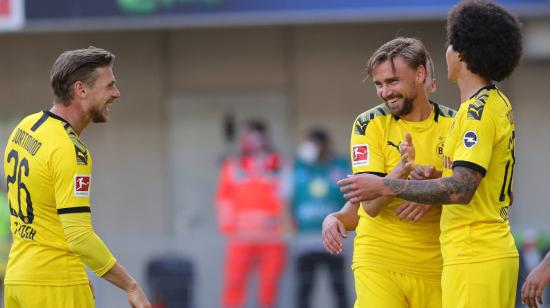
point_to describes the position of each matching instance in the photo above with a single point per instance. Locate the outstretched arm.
(536, 281)
(84, 242)
(459, 188)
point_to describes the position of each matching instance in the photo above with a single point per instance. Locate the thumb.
(408, 138)
(342, 230)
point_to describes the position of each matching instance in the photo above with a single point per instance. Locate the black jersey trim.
(55, 116)
(502, 98)
(470, 165)
(380, 174)
(487, 87)
(40, 121)
(436, 111)
(71, 210)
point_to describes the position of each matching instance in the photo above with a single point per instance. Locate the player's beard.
(404, 110)
(98, 114)
(407, 107)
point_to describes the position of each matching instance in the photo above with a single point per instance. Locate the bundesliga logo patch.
(360, 155)
(82, 185)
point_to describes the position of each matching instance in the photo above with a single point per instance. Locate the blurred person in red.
(251, 214)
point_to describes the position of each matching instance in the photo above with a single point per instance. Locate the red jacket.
(248, 200)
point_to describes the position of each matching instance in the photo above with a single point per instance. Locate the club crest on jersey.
(470, 139)
(360, 155)
(82, 185)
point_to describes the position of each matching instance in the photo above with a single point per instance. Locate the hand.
(425, 173)
(137, 299)
(362, 187)
(412, 211)
(408, 153)
(536, 281)
(333, 232)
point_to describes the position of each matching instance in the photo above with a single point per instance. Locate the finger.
(334, 239)
(419, 215)
(408, 138)
(538, 295)
(346, 181)
(532, 295)
(342, 230)
(416, 176)
(402, 207)
(525, 290)
(330, 245)
(415, 212)
(405, 213)
(328, 239)
(428, 172)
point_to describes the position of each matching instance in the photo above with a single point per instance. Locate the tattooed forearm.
(459, 188)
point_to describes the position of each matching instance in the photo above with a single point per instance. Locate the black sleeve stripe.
(40, 122)
(71, 210)
(470, 165)
(380, 174)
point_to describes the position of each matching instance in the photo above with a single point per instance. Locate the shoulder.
(363, 119)
(487, 100)
(444, 111)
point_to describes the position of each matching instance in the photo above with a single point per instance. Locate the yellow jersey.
(385, 241)
(48, 171)
(481, 138)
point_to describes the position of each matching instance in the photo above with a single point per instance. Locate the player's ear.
(79, 88)
(421, 74)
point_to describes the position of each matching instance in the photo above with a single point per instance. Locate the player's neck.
(73, 115)
(421, 110)
(469, 83)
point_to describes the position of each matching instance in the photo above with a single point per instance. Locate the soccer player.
(536, 281)
(336, 224)
(49, 173)
(385, 274)
(480, 257)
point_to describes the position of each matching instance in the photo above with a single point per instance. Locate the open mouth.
(393, 100)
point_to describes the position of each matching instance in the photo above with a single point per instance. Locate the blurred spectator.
(315, 195)
(251, 214)
(5, 236)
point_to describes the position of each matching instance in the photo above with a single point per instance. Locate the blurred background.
(190, 70)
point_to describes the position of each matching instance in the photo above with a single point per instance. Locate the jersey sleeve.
(71, 178)
(365, 148)
(476, 138)
(84, 242)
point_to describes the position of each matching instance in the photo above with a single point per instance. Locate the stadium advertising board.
(167, 13)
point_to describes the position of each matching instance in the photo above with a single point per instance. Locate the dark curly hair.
(487, 37)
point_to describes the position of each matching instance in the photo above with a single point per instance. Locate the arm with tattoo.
(459, 188)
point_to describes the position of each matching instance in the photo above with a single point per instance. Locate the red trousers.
(241, 259)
